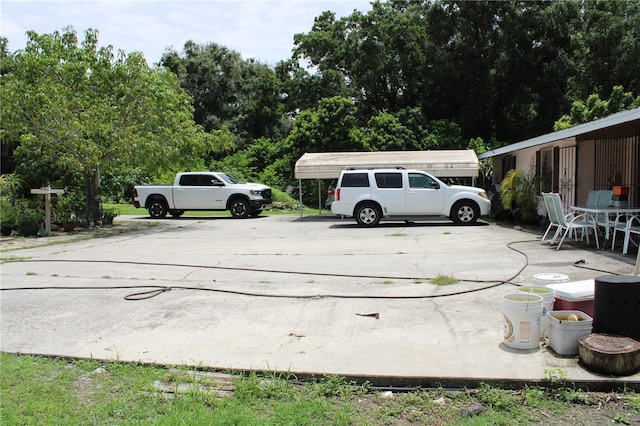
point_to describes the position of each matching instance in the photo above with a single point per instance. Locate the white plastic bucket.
(564, 333)
(547, 295)
(521, 320)
(549, 278)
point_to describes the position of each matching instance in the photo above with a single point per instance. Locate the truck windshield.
(228, 178)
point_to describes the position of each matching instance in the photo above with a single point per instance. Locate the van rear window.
(389, 180)
(355, 180)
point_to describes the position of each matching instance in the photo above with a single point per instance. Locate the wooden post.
(47, 191)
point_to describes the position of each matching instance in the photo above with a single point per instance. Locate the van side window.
(389, 180)
(355, 180)
(418, 180)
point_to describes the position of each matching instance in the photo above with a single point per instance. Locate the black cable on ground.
(578, 264)
(157, 290)
(237, 268)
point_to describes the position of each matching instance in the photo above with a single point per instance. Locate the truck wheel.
(367, 214)
(158, 208)
(239, 208)
(465, 212)
(176, 213)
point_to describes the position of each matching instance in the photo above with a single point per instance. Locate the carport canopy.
(442, 163)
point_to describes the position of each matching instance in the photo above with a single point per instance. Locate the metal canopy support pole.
(300, 195)
(319, 198)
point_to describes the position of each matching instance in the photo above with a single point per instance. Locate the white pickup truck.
(203, 191)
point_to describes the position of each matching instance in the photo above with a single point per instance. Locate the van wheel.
(367, 214)
(465, 212)
(158, 208)
(239, 208)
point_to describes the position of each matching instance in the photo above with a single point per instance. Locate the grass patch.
(9, 259)
(278, 209)
(41, 390)
(442, 279)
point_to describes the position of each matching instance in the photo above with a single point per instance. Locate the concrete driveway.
(312, 295)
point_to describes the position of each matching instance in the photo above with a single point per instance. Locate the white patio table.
(610, 214)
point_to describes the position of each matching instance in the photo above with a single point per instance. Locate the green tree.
(491, 67)
(385, 133)
(594, 108)
(77, 109)
(303, 90)
(331, 126)
(606, 48)
(228, 91)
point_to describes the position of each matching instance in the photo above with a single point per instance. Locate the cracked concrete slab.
(294, 295)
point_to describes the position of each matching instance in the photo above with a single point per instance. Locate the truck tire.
(176, 213)
(465, 212)
(255, 213)
(367, 214)
(239, 208)
(158, 208)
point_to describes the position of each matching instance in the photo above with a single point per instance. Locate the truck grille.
(266, 194)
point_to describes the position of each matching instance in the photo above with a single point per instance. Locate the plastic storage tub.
(564, 333)
(574, 296)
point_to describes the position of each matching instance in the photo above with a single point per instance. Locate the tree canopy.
(78, 109)
(446, 74)
(503, 70)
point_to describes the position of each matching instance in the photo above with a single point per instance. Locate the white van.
(399, 194)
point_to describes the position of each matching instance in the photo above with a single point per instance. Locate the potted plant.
(64, 209)
(519, 194)
(108, 215)
(28, 219)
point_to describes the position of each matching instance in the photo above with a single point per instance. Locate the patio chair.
(571, 223)
(629, 227)
(552, 214)
(592, 199)
(555, 216)
(603, 200)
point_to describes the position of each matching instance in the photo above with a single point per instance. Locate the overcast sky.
(260, 29)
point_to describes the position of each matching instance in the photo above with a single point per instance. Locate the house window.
(546, 169)
(508, 163)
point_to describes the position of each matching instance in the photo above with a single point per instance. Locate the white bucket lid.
(550, 278)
